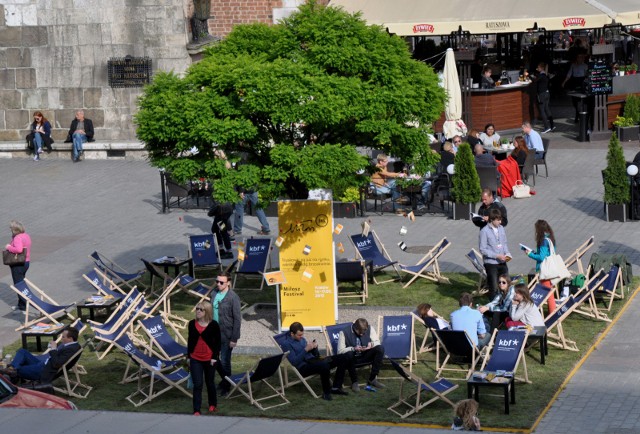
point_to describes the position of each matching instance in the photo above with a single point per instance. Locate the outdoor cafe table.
(108, 304)
(40, 331)
(501, 152)
(506, 383)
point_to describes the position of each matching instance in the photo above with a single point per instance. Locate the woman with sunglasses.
(203, 345)
(498, 309)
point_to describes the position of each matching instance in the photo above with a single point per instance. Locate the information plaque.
(129, 71)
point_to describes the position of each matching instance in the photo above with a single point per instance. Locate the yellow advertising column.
(308, 263)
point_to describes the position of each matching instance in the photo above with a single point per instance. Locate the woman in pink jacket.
(20, 240)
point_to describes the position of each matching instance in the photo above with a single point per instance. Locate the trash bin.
(583, 126)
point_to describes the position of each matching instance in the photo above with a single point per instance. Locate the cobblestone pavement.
(114, 207)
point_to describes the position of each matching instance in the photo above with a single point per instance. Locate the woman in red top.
(20, 240)
(203, 345)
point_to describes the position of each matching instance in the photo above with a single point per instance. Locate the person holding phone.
(360, 342)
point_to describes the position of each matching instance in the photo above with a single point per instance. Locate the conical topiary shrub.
(616, 182)
(466, 182)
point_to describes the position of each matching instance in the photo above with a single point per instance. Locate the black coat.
(88, 129)
(57, 358)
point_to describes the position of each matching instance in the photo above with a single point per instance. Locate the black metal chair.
(489, 178)
(528, 168)
(543, 161)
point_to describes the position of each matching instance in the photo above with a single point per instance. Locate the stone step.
(98, 150)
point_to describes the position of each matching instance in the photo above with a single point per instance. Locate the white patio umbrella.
(453, 124)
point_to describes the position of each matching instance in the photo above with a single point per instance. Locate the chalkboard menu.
(129, 71)
(599, 79)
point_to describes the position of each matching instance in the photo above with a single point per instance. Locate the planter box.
(616, 212)
(628, 134)
(344, 209)
(462, 211)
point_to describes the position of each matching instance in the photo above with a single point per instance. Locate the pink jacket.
(19, 242)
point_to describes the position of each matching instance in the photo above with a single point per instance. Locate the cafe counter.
(506, 106)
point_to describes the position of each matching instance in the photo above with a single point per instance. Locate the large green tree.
(294, 100)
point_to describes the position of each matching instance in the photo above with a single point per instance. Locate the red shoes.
(213, 409)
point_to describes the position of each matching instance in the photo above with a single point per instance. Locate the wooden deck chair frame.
(430, 268)
(353, 271)
(42, 315)
(131, 301)
(285, 372)
(213, 244)
(128, 344)
(73, 385)
(413, 402)
(475, 353)
(162, 305)
(246, 251)
(554, 321)
(330, 340)
(155, 271)
(424, 348)
(576, 256)
(170, 380)
(492, 344)
(586, 297)
(475, 258)
(115, 271)
(411, 357)
(247, 379)
(103, 284)
(155, 348)
(611, 292)
(80, 326)
(125, 326)
(383, 251)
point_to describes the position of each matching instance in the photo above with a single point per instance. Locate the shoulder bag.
(10, 259)
(553, 268)
(521, 190)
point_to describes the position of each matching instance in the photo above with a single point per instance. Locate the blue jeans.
(201, 373)
(224, 364)
(426, 188)
(78, 141)
(390, 187)
(17, 274)
(38, 142)
(239, 213)
(28, 365)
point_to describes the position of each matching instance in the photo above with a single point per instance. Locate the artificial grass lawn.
(531, 399)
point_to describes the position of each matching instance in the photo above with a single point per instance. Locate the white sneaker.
(36, 158)
(546, 131)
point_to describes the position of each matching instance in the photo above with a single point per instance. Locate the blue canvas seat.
(368, 250)
(162, 344)
(244, 384)
(116, 272)
(506, 349)
(414, 401)
(397, 337)
(428, 267)
(257, 258)
(612, 287)
(40, 304)
(476, 260)
(103, 284)
(203, 251)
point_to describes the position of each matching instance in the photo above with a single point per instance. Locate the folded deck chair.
(586, 299)
(116, 272)
(428, 267)
(244, 384)
(476, 260)
(162, 344)
(576, 257)
(367, 249)
(459, 349)
(255, 259)
(103, 284)
(506, 349)
(414, 402)
(203, 251)
(397, 338)
(278, 340)
(356, 272)
(611, 288)
(40, 304)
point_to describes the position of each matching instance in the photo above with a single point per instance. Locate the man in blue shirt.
(470, 320)
(533, 139)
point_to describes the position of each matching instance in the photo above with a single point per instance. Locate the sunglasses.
(503, 282)
(220, 282)
(199, 309)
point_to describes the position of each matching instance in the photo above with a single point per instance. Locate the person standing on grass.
(495, 250)
(226, 312)
(203, 346)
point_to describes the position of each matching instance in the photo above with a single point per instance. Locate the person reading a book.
(489, 202)
(523, 310)
(544, 237)
(497, 310)
(495, 250)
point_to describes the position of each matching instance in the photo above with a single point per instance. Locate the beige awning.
(430, 18)
(625, 12)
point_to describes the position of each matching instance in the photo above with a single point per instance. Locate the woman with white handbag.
(544, 240)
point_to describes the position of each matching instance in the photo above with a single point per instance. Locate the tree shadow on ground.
(590, 206)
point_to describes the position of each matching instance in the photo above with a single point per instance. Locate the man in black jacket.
(361, 342)
(30, 367)
(80, 132)
(489, 203)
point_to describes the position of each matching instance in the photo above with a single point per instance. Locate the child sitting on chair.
(466, 416)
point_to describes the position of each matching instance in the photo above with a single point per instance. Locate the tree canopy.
(293, 100)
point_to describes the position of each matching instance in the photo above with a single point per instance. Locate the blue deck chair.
(413, 402)
(428, 267)
(332, 335)
(367, 249)
(125, 325)
(539, 295)
(459, 349)
(203, 251)
(244, 384)
(125, 344)
(476, 260)
(160, 379)
(354, 272)
(442, 324)
(120, 313)
(398, 338)
(116, 272)
(256, 259)
(554, 321)
(506, 348)
(278, 340)
(40, 304)
(576, 256)
(155, 272)
(611, 288)
(586, 297)
(162, 344)
(103, 284)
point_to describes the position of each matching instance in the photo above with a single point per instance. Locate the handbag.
(521, 190)
(553, 268)
(9, 258)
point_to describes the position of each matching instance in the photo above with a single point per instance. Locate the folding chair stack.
(367, 250)
(398, 338)
(278, 340)
(428, 267)
(458, 349)
(253, 259)
(413, 402)
(116, 272)
(38, 302)
(476, 260)
(244, 384)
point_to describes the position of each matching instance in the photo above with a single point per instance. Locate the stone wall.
(54, 53)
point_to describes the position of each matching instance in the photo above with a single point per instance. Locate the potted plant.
(466, 189)
(616, 182)
(348, 203)
(633, 68)
(626, 126)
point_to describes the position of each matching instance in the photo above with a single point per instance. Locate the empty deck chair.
(428, 267)
(586, 299)
(255, 259)
(611, 288)
(367, 249)
(39, 304)
(576, 257)
(413, 402)
(458, 349)
(554, 321)
(278, 340)
(476, 260)
(506, 349)
(244, 384)
(103, 284)
(203, 251)
(356, 272)
(161, 343)
(116, 272)
(397, 337)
